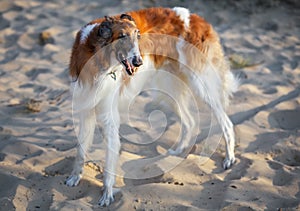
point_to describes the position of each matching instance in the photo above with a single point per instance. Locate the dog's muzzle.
(130, 67)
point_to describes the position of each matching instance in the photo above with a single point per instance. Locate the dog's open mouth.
(127, 65)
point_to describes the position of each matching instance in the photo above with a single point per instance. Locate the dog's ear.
(126, 16)
(109, 19)
(105, 30)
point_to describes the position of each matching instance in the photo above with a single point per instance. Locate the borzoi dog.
(108, 55)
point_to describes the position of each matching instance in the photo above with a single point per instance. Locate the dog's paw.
(107, 198)
(73, 180)
(228, 162)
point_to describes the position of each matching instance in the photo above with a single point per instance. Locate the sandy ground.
(37, 137)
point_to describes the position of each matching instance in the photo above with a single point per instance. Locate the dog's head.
(123, 36)
(102, 43)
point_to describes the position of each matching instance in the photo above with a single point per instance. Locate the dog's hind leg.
(210, 88)
(227, 128)
(87, 123)
(188, 126)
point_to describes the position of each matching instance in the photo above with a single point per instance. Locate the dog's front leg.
(111, 124)
(87, 123)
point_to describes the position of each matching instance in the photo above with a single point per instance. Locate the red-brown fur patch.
(162, 21)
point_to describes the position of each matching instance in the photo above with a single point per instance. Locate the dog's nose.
(137, 61)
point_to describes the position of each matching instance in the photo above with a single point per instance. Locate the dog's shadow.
(155, 162)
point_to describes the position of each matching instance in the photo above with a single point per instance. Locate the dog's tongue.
(128, 67)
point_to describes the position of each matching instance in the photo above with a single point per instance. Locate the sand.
(37, 137)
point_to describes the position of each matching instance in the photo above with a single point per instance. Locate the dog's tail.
(231, 85)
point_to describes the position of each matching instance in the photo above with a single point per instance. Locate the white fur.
(184, 15)
(179, 47)
(231, 86)
(85, 32)
(103, 101)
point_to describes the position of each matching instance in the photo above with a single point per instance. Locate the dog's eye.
(138, 35)
(122, 35)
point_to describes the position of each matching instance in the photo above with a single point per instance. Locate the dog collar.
(113, 74)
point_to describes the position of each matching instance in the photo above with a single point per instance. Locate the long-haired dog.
(113, 57)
